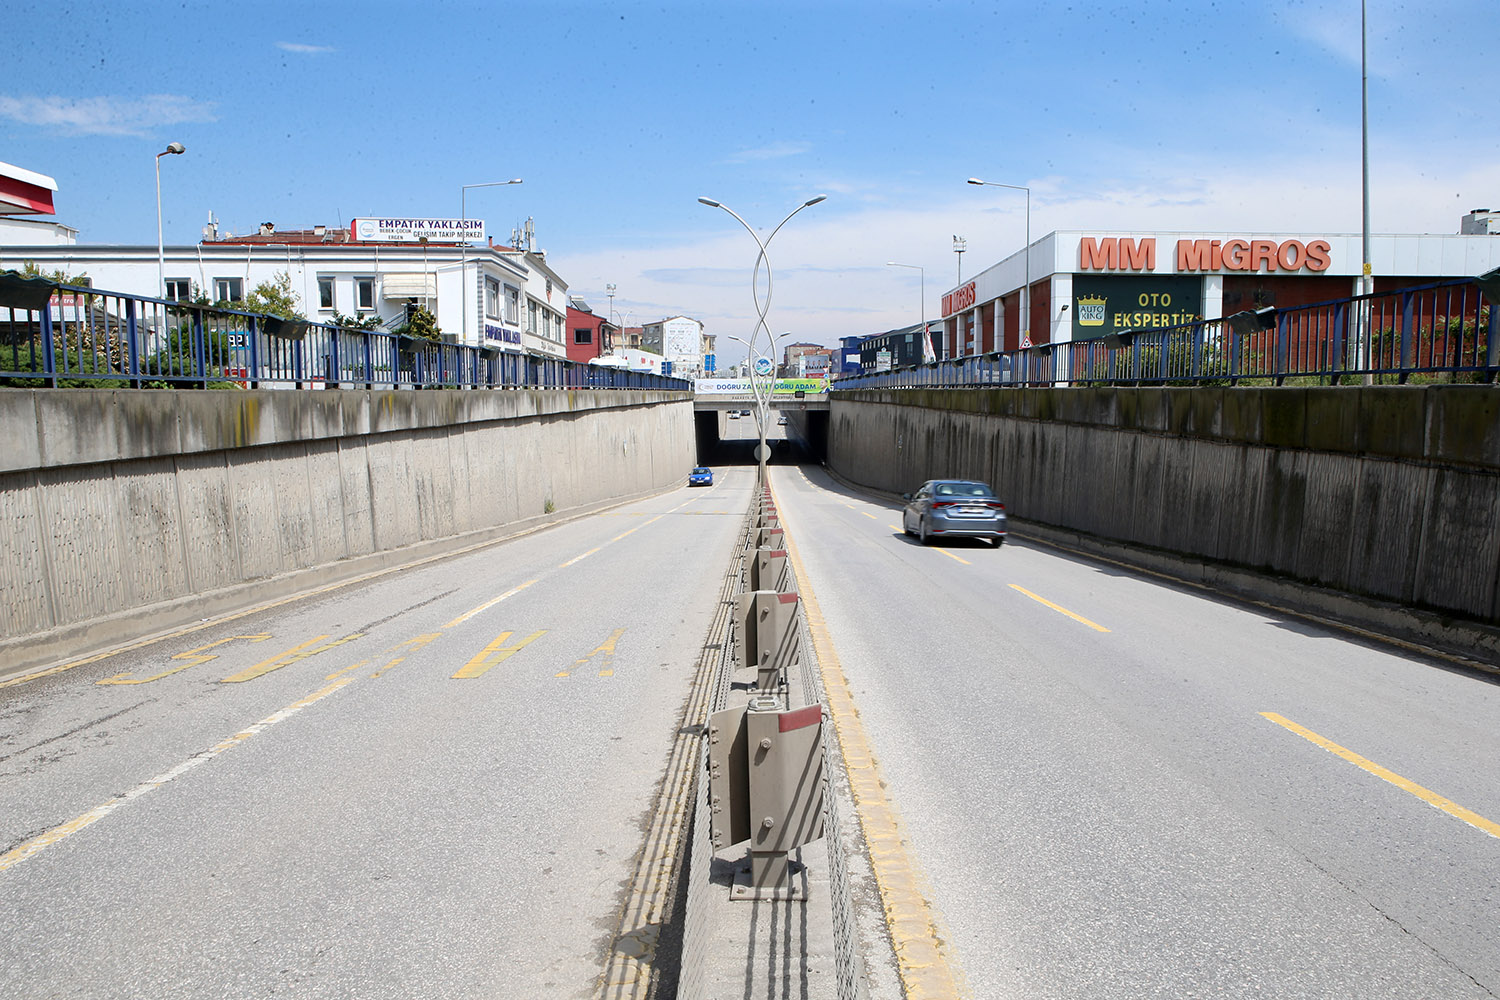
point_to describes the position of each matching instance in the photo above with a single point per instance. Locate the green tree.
(422, 325)
(274, 298)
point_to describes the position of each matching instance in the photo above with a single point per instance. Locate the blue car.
(701, 477)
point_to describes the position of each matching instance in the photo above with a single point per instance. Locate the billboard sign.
(416, 230)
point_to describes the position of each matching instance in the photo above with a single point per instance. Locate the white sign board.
(415, 230)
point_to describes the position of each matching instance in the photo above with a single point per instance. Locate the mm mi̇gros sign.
(416, 230)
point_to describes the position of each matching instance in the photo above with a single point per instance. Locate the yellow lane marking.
(496, 652)
(607, 648)
(924, 958)
(950, 555)
(512, 592)
(580, 558)
(638, 527)
(1432, 798)
(1058, 608)
(40, 843)
(869, 515)
(290, 656)
(192, 656)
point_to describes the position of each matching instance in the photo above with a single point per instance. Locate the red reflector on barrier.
(800, 719)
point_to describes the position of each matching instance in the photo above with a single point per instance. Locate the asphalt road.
(432, 784)
(1113, 787)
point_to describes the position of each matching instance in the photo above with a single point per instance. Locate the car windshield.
(699, 472)
(962, 490)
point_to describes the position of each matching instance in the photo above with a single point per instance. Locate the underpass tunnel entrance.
(729, 437)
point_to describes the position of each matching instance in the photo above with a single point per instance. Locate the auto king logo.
(1090, 310)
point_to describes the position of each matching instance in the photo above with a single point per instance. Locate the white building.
(502, 297)
(681, 341)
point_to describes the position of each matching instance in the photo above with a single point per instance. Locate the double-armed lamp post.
(762, 307)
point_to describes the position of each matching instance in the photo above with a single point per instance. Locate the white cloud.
(830, 275)
(106, 115)
(775, 151)
(304, 49)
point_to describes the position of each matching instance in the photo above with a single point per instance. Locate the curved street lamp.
(762, 308)
(1025, 298)
(175, 149)
(463, 253)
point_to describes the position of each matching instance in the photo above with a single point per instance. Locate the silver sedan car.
(948, 508)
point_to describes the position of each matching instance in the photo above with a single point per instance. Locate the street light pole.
(174, 148)
(761, 308)
(1367, 277)
(463, 253)
(1026, 285)
(927, 352)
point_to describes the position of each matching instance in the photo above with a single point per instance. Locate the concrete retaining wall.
(131, 511)
(1387, 493)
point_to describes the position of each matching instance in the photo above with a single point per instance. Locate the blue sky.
(1190, 115)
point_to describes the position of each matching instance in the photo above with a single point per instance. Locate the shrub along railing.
(72, 336)
(1446, 330)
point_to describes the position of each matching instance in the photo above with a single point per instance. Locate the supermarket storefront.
(1090, 284)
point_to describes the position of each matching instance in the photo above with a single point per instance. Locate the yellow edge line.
(925, 964)
(40, 843)
(1406, 785)
(950, 555)
(1058, 608)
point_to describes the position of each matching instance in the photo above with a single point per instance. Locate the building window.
(364, 294)
(325, 292)
(531, 317)
(512, 304)
(179, 289)
(583, 335)
(491, 298)
(228, 290)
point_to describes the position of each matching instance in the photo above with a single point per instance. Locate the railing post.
(132, 343)
(49, 349)
(369, 346)
(252, 346)
(1405, 338)
(200, 349)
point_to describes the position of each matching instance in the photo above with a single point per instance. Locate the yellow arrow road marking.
(290, 656)
(495, 653)
(193, 656)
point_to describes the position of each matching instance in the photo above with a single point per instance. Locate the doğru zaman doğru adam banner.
(741, 386)
(1105, 304)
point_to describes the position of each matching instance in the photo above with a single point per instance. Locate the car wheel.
(998, 542)
(922, 532)
(904, 529)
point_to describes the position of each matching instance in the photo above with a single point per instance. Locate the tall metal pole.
(161, 253)
(1367, 277)
(761, 308)
(927, 352)
(463, 253)
(1025, 285)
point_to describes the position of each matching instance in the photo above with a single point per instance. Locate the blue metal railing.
(1446, 328)
(88, 337)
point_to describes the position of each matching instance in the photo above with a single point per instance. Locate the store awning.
(25, 192)
(409, 286)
